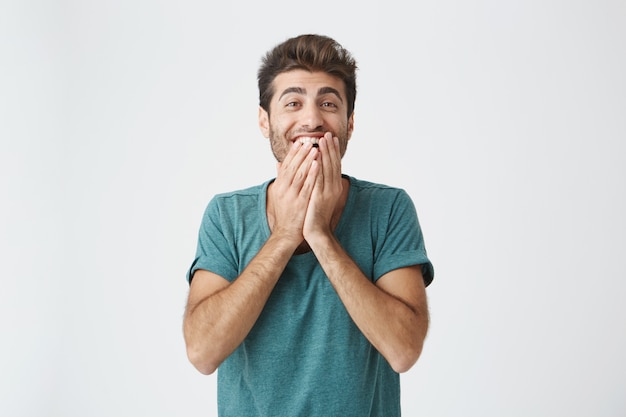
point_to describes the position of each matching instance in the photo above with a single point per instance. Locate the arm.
(393, 313)
(219, 315)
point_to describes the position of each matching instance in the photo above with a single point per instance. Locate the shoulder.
(380, 193)
(253, 191)
(232, 197)
(369, 186)
(245, 199)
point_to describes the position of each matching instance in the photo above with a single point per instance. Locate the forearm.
(396, 328)
(215, 325)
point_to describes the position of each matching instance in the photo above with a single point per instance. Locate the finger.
(293, 150)
(330, 158)
(335, 158)
(336, 155)
(294, 158)
(311, 179)
(302, 172)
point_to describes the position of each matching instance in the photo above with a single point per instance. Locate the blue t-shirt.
(305, 356)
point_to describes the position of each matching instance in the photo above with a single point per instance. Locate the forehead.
(311, 82)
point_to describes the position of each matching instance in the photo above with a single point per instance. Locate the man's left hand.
(327, 190)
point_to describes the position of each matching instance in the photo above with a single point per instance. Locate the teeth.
(304, 140)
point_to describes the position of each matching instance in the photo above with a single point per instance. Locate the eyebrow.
(302, 91)
(329, 90)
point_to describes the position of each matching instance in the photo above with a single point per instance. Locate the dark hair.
(311, 53)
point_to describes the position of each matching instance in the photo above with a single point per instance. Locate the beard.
(280, 143)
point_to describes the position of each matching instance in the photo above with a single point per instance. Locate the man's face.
(306, 105)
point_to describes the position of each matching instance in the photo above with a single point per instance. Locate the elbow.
(200, 353)
(207, 370)
(201, 361)
(401, 368)
(404, 361)
(409, 350)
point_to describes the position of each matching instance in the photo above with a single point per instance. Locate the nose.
(312, 118)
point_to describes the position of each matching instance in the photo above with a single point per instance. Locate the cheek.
(343, 146)
(275, 123)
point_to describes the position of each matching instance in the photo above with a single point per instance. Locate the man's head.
(307, 86)
(312, 53)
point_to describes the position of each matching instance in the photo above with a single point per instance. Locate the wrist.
(288, 241)
(320, 239)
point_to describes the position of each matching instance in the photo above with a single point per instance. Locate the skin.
(304, 205)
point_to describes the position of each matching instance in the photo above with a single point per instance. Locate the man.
(308, 291)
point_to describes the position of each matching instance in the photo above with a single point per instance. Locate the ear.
(350, 125)
(264, 122)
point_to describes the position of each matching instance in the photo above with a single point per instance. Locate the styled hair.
(310, 53)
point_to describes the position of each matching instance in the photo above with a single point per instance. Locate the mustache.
(305, 131)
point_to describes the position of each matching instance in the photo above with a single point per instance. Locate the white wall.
(505, 120)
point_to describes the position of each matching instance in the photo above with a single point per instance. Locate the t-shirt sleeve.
(402, 243)
(215, 250)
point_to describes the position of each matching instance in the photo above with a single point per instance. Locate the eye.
(292, 104)
(329, 104)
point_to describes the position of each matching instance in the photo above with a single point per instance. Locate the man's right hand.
(289, 194)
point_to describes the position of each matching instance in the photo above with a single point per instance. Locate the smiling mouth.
(312, 140)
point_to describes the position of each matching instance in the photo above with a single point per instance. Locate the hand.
(326, 192)
(290, 193)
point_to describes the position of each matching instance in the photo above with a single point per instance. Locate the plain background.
(504, 120)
